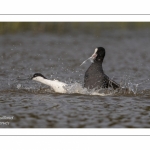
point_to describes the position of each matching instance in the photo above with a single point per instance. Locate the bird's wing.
(113, 84)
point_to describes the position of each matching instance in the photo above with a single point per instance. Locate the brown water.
(59, 57)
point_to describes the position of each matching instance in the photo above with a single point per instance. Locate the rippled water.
(59, 57)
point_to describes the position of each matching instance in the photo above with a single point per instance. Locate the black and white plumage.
(56, 85)
(95, 77)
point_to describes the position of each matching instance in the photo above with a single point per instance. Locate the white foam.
(77, 88)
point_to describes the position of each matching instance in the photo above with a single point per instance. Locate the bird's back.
(96, 79)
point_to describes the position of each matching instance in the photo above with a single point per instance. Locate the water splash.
(90, 58)
(77, 88)
(128, 87)
(18, 86)
(133, 87)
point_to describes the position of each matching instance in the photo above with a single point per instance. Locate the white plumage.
(56, 85)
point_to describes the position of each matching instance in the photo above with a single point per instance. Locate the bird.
(94, 77)
(56, 85)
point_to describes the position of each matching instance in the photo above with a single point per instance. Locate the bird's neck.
(42, 80)
(98, 65)
(99, 60)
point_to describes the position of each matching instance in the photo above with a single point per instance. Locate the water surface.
(34, 105)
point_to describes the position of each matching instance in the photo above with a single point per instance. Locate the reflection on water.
(59, 57)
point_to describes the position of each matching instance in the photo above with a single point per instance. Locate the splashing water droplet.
(18, 86)
(133, 87)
